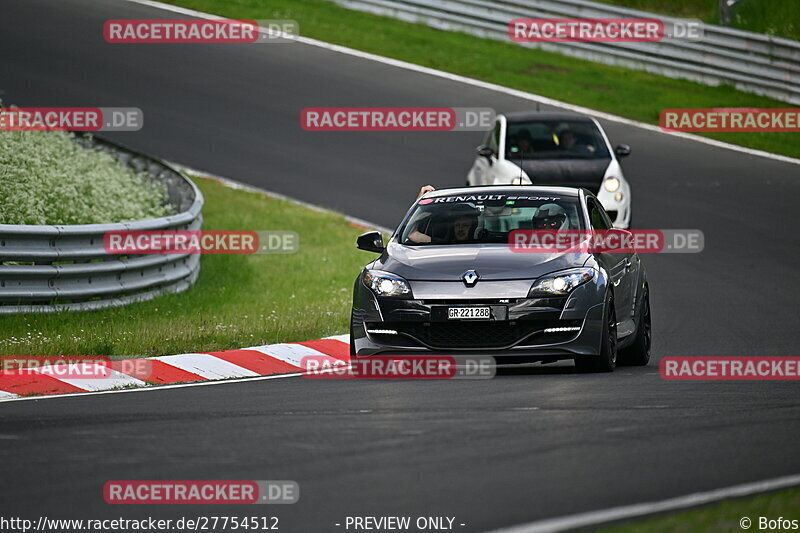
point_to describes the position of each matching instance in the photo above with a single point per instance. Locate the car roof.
(534, 116)
(505, 189)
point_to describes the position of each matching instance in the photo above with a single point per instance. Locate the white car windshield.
(554, 139)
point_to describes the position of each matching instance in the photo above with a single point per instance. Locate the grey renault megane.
(449, 283)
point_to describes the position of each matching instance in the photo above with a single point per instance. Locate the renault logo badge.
(470, 278)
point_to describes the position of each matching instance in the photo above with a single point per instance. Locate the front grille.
(473, 301)
(473, 334)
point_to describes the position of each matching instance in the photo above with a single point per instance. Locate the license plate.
(469, 313)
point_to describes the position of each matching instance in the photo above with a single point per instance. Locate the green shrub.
(49, 178)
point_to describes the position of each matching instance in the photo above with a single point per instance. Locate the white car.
(564, 149)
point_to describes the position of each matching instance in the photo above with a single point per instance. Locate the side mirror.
(624, 241)
(622, 150)
(619, 232)
(485, 151)
(372, 241)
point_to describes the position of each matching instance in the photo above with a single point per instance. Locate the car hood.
(490, 261)
(586, 173)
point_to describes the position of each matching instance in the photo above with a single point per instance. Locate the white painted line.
(207, 366)
(614, 514)
(210, 366)
(294, 354)
(147, 389)
(113, 381)
(485, 85)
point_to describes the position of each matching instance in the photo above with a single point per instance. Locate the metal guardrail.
(53, 268)
(752, 62)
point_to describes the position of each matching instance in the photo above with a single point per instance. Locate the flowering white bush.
(49, 178)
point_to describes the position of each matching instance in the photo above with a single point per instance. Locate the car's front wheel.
(352, 343)
(606, 361)
(638, 353)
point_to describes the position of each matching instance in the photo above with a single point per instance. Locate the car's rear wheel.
(638, 353)
(606, 361)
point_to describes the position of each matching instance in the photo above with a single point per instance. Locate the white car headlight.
(386, 283)
(611, 184)
(560, 283)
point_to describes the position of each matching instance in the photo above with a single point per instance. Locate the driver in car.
(550, 217)
(464, 223)
(571, 142)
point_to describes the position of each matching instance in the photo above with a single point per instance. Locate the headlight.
(386, 283)
(611, 184)
(560, 283)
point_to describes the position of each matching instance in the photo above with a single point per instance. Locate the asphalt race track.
(521, 447)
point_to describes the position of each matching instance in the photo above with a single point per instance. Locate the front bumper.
(518, 326)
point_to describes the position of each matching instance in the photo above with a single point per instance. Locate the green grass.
(775, 17)
(705, 10)
(48, 178)
(720, 517)
(238, 300)
(629, 93)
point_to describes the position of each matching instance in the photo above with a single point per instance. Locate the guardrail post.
(725, 11)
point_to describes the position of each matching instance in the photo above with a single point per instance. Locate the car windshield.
(554, 139)
(487, 218)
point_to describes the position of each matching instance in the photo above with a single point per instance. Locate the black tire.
(469, 184)
(606, 361)
(352, 346)
(638, 353)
